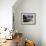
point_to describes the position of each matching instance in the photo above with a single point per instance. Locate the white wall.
(43, 22)
(36, 32)
(6, 13)
(30, 31)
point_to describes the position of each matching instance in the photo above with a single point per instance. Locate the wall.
(43, 22)
(32, 32)
(6, 13)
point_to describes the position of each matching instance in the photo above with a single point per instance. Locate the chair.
(29, 43)
(18, 39)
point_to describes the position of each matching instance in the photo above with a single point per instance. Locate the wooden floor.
(9, 43)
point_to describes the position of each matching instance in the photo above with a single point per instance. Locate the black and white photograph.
(28, 18)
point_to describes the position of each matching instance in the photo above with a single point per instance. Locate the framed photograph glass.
(28, 18)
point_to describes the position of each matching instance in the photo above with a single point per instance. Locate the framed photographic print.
(28, 18)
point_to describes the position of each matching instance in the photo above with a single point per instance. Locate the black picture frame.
(28, 18)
